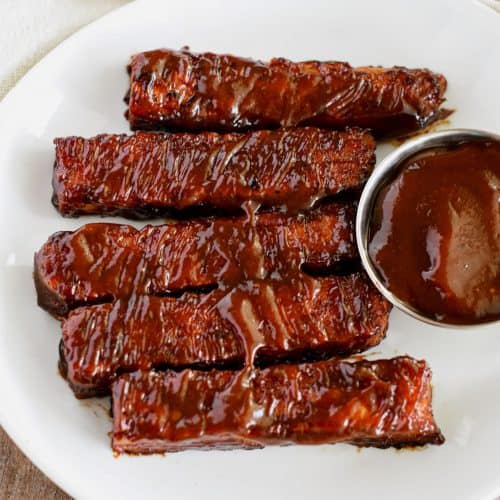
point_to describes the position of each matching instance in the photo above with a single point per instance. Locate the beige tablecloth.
(31, 28)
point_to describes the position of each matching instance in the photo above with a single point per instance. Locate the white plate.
(78, 89)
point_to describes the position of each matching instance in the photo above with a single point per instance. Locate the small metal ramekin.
(383, 174)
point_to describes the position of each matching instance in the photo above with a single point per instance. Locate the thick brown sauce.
(187, 91)
(381, 403)
(99, 262)
(262, 322)
(149, 174)
(435, 234)
(272, 310)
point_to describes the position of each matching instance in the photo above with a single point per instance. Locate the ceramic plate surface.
(77, 90)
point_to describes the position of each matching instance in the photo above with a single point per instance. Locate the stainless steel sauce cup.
(383, 174)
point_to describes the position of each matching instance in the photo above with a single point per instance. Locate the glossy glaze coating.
(369, 403)
(179, 90)
(265, 322)
(99, 262)
(150, 174)
(435, 235)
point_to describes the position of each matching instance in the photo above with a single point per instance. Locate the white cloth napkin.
(31, 28)
(494, 4)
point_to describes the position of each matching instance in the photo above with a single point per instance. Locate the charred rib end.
(47, 298)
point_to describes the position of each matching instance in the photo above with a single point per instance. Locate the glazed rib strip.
(184, 91)
(369, 403)
(265, 321)
(100, 262)
(148, 174)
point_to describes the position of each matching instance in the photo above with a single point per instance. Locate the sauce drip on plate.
(435, 233)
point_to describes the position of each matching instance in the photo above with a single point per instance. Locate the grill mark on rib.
(228, 93)
(253, 323)
(154, 174)
(368, 403)
(118, 260)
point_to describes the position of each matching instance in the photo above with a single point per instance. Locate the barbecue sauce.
(435, 233)
(185, 91)
(380, 403)
(184, 175)
(101, 262)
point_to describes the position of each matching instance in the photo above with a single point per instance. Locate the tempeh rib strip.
(148, 174)
(179, 90)
(100, 262)
(302, 320)
(368, 403)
